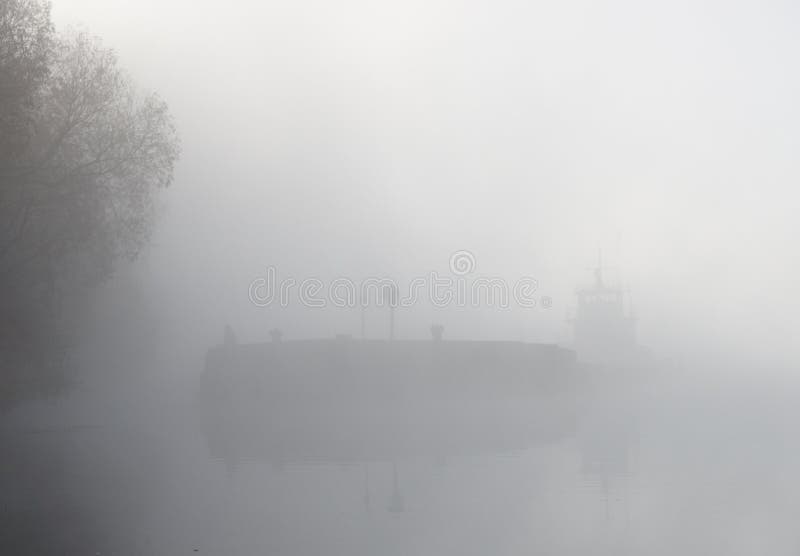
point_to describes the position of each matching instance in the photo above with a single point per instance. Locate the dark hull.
(347, 400)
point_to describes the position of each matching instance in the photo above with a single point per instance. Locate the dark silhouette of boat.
(346, 399)
(349, 399)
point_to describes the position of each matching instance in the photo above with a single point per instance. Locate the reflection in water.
(396, 504)
(663, 470)
(367, 496)
(651, 471)
(507, 476)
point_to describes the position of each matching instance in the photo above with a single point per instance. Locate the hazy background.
(371, 138)
(376, 138)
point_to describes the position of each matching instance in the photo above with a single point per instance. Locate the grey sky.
(359, 137)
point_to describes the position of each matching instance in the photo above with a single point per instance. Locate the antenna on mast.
(598, 272)
(631, 309)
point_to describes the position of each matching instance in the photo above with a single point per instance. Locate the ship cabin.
(604, 331)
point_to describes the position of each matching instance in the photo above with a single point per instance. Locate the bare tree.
(83, 156)
(26, 41)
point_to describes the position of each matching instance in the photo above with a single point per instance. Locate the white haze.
(368, 138)
(376, 138)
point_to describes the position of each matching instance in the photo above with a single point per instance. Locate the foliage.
(82, 154)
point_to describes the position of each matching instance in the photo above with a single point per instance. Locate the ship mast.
(598, 271)
(604, 332)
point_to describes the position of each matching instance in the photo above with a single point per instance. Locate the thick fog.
(355, 140)
(360, 138)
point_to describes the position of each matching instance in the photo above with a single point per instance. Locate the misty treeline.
(82, 155)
